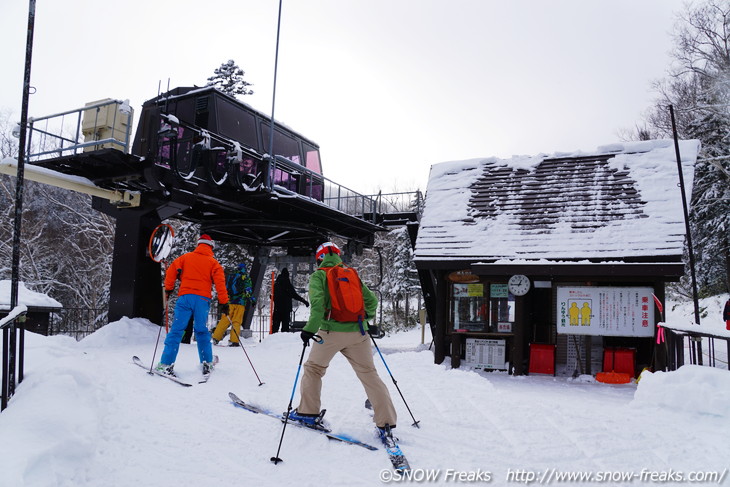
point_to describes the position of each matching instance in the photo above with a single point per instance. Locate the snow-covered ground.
(86, 416)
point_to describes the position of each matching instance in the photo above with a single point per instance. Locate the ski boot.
(208, 367)
(386, 435)
(165, 369)
(313, 421)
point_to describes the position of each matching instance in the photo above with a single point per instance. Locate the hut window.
(470, 307)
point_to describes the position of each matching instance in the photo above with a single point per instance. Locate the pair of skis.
(392, 448)
(173, 378)
(395, 454)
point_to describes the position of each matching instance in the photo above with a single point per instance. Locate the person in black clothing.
(284, 292)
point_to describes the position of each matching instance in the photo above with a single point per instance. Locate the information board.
(485, 354)
(606, 311)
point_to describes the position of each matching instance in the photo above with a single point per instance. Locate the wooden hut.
(40, 306)
(550, 264)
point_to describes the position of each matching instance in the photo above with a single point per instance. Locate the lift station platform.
(202, 156)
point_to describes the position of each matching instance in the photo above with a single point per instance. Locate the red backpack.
(345, 291)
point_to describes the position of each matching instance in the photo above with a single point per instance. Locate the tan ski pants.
(358, 351)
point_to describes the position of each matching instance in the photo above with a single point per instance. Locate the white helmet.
(326, 248)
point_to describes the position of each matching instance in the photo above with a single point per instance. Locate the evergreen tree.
(710, 219)
(228, 78)
(698, 87)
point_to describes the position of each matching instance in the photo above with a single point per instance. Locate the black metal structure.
(14, 336)
(199, 155)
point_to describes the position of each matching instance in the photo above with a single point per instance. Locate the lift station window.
(237, 124)
(284, 145)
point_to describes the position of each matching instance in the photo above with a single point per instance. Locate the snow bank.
(692, 388)
(86, 416)
(126, 331)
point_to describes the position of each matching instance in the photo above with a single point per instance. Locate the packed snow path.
(85, 415)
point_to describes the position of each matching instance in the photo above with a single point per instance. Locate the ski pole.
(159, 332)
(276, 458)
(159, 248)
(415, 423)
(233, 329)
(157, 344)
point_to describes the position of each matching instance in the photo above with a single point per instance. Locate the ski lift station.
(202, 156)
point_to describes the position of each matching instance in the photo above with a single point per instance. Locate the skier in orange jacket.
(198, 271)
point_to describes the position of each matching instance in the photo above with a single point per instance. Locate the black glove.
(306, 336)
(374, 331)
(222, 309)
(306, 303)
(167, 295)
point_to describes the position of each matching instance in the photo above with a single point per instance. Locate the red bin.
(619, 360)
(542, 359)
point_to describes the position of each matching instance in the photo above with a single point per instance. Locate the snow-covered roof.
(26, 297)
(621, 201)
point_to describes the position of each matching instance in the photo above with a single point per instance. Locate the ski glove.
(222, 309)
(374, 331)
(306, 336)
(167, 295)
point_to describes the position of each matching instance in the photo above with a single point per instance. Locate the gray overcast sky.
(385, 87)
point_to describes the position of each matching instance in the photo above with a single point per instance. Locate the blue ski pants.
(189, 305)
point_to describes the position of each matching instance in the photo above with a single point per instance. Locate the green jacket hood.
(330, 260)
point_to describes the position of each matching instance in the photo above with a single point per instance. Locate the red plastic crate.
(619, 360)
(542, 359)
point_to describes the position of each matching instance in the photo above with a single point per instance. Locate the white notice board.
(485, 354)
(606, 311)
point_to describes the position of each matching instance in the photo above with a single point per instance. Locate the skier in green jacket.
(348, 338)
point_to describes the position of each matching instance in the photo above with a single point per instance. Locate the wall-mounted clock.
(519, 284)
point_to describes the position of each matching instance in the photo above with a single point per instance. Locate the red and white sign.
(606, 311)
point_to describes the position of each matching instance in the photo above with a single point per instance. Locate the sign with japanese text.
(468, 290)
(485, 354)
(606, 311)
(498, 291)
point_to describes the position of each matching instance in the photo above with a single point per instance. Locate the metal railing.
(108, 123)
(13, 355)
(227, 157)
(408, 201)
(76, 322)
(95, 126)
(676, 348)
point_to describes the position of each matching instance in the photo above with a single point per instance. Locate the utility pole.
(10, 341)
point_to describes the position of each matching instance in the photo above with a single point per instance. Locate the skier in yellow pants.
(240, 293)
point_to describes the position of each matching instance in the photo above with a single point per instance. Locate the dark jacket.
(284, 292)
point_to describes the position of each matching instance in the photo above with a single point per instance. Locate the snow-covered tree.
(698, 87)
(66, 246)
(228, 78)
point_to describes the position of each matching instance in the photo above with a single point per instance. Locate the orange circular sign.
(465, 277)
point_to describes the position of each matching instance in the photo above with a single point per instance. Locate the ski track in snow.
(85, 415)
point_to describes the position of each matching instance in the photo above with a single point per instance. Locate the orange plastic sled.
(613, 377)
